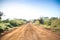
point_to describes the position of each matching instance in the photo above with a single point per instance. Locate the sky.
(29, 9)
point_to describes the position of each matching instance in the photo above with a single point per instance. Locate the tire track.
(45, 34)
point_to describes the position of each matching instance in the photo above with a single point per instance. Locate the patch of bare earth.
(30, 32)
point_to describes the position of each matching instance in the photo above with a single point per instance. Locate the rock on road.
(30, 32)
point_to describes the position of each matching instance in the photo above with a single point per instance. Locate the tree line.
(52, 23)
(9, 24)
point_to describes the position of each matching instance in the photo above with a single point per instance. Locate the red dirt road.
(30, 32)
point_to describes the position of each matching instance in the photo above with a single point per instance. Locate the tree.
(41, 21)
(53, 18)
(1, 13)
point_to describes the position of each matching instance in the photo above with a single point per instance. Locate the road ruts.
(30, 32)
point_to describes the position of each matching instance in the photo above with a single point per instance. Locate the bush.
(56, 24)
(41, 21)
(17, 22)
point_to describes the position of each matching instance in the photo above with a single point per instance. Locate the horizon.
(30, 9)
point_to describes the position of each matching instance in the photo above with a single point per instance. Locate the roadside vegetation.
(52, 23)
(6, 25)
(9, 24)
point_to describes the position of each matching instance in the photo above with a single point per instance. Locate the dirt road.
(30, 32)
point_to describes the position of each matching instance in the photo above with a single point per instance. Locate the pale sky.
(29, 9)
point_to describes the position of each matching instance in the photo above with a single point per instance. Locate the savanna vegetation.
(52, 23)
(6, 25)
